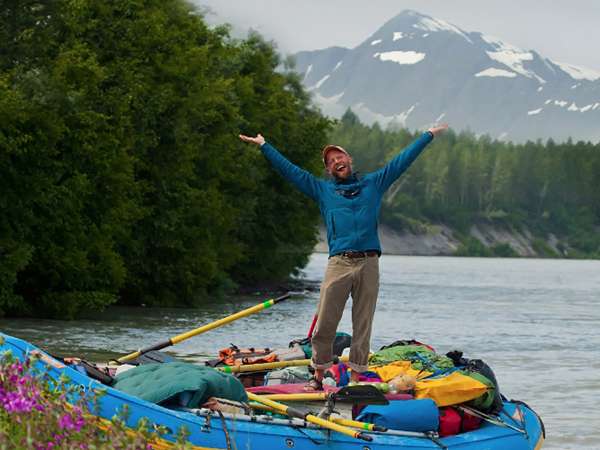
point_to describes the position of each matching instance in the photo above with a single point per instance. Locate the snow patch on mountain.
(582, 109)
(511, 56)
(499, 44)
(401, 57)
(514, 60)
(331, 105)
(404, 115)
(367, 114)
(308, 70)
(337, 66)
(397, 35)
(433, 25)
(535, 111)
(579, 73)
(319, 83)
(376, 41)
(493, 72)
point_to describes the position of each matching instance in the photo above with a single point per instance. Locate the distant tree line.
(121, 174)
(462, 180)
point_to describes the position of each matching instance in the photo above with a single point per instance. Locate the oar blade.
(362, 393)
(152, 357)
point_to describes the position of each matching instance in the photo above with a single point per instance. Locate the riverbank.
(482, 240)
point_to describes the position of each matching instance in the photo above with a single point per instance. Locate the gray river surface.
(535, 322)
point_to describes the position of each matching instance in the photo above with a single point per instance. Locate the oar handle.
(281, 298)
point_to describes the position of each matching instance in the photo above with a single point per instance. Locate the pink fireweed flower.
(18, 393)
(67, 422)
(17, 402)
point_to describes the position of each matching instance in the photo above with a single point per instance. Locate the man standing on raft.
(349, 206)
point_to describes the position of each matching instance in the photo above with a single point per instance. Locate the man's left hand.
(438, 129)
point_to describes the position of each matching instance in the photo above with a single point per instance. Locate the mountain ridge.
(416, 70)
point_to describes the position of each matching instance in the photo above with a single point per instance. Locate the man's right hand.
(258, 140)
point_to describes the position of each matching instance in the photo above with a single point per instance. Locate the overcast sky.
(564, 31)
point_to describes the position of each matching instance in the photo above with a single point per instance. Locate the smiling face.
(338, 164)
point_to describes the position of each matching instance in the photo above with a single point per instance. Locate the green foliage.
(473, 247)
(121, 174)
(543, 249)
(503, 250)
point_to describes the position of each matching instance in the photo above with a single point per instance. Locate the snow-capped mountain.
(416, 70)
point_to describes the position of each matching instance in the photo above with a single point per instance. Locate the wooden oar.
(182, 337)
(293, 412)
(269, 366)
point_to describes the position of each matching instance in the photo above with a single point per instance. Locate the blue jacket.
(350, 208)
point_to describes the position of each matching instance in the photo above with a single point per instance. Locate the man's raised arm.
(302, 179)
(396, 167)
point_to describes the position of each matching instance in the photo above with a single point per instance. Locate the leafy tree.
(121, 172)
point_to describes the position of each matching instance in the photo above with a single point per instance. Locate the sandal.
(313, 385)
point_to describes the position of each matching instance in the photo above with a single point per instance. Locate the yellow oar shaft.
(218, 323)
(304, 397)
(262, 407)
(269, 366)
(356, 424)
(292, 412)
(224, 321)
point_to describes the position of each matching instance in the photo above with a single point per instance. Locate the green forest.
(122, 179)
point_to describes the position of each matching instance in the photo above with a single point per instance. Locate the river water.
(535, 322)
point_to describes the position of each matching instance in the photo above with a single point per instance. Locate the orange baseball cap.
(328, 148)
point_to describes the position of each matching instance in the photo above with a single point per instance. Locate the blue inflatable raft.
(516, 428)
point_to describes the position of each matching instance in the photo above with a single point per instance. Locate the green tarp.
(186, 384)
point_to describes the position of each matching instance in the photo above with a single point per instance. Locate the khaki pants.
(345, 276)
